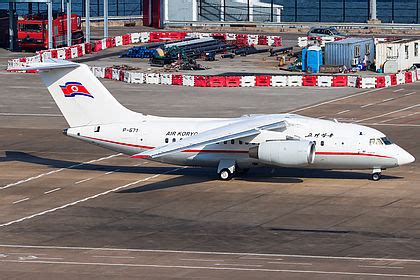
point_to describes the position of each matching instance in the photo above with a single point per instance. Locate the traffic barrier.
(380, 81)
(247, 81)
(303, 42)
(216, 81)
(233, 81)
(279, 81)
(263, 81)
(200, 81)
(104, 44)
(99, 72)
(326, 39)
(241, 40)
(393, 79)
(127, 77)
(262, 40)
(324, 81)
(274, 41)
(108, 73)
(400, 78)
(73, 51)
(46, 55)
(388, 81)
(294, 81)
(339, 81)
(414, 75)
(126, 39)
(110, 42)
(408, 77)
(309, 81)
(80, 50)
(88, 48)
(177, 79)
(67, 52)
(61, 54)
(135, 38)
(352, 81)
(136, 78)
(166, 79)
(188, 80)
(418, 73)
(33, 59)
(230, 37)
(122, 75)
(118, 41)
(367, 82)
(97, 46)
(145, 37)
(54, 53)
(220, 36)
(252, 40)
(152, 78)
(115, 74)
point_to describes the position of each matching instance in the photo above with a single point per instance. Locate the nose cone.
(405, 158)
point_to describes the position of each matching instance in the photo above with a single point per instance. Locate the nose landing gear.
(376, 174)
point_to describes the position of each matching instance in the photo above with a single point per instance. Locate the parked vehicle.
(324, 32)
(33, 31)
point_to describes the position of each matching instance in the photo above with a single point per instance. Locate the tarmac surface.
(71, 210)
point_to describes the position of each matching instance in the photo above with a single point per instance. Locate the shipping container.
(350, 52)
(396, 55)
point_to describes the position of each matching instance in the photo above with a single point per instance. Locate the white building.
(395, 55)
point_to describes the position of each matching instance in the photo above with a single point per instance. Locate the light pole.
(68, 23)
(105, 18)
(87, 20)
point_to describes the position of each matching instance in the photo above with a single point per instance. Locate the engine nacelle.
(289, 153)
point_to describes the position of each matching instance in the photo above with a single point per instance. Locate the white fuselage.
(338, 145)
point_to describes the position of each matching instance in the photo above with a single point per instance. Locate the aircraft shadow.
(264, 174)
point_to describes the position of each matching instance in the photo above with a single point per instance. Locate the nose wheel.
(376, 175)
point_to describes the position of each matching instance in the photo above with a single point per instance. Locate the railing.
(339, 25)
(115, 18)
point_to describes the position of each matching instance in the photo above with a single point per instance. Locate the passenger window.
(173, 139)
(246, 143)
(166, 140)
(322, 143)
(232, 142)
(240, 142)
(225, 142)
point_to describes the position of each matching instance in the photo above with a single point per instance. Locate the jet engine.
(291, 153)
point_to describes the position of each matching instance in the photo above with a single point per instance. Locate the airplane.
(233, 145)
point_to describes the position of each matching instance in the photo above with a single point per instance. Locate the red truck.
(33, 31)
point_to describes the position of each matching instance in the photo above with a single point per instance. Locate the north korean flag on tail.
(71, 89)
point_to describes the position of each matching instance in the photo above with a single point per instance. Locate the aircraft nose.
(405, 158)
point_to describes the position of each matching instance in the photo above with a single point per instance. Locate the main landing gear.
(226, 169)
(376, 174)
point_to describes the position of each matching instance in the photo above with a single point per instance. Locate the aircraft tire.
(376, 176)
(225, 174)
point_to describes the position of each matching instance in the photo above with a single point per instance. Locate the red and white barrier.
(137, 78)
(188, 80)
(400, 78)
(324, 81)
(367, 82)
(152, 78)
(166, 79)
(294, 81)
(279, 81)
(352, 81)
(248, 81)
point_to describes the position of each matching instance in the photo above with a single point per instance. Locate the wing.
(244, 127)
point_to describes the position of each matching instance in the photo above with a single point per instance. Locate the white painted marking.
(389, 113)
(410, 93)
(401, 117)
(30, 115)
(56, 171)
(21, 200)
(388, 99)
(291, 263)
(252, 258)
(394, 124)
(342, 112)
(87, 198)
(334, 100)
(205, 252)
(237, 264)
(397, 90)
(84, 180)
(115, 257)
(110, 172)
(201, 260)
(367, 105)
(219, 268)
(382, 266)
(51, 191)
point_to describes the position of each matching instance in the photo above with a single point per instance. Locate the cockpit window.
(386, 140)
(376, 141)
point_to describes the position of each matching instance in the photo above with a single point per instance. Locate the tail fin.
(81, 97)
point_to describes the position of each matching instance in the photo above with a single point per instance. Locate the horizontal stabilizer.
(48, 64)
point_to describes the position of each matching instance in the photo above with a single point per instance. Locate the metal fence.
(388, 11)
